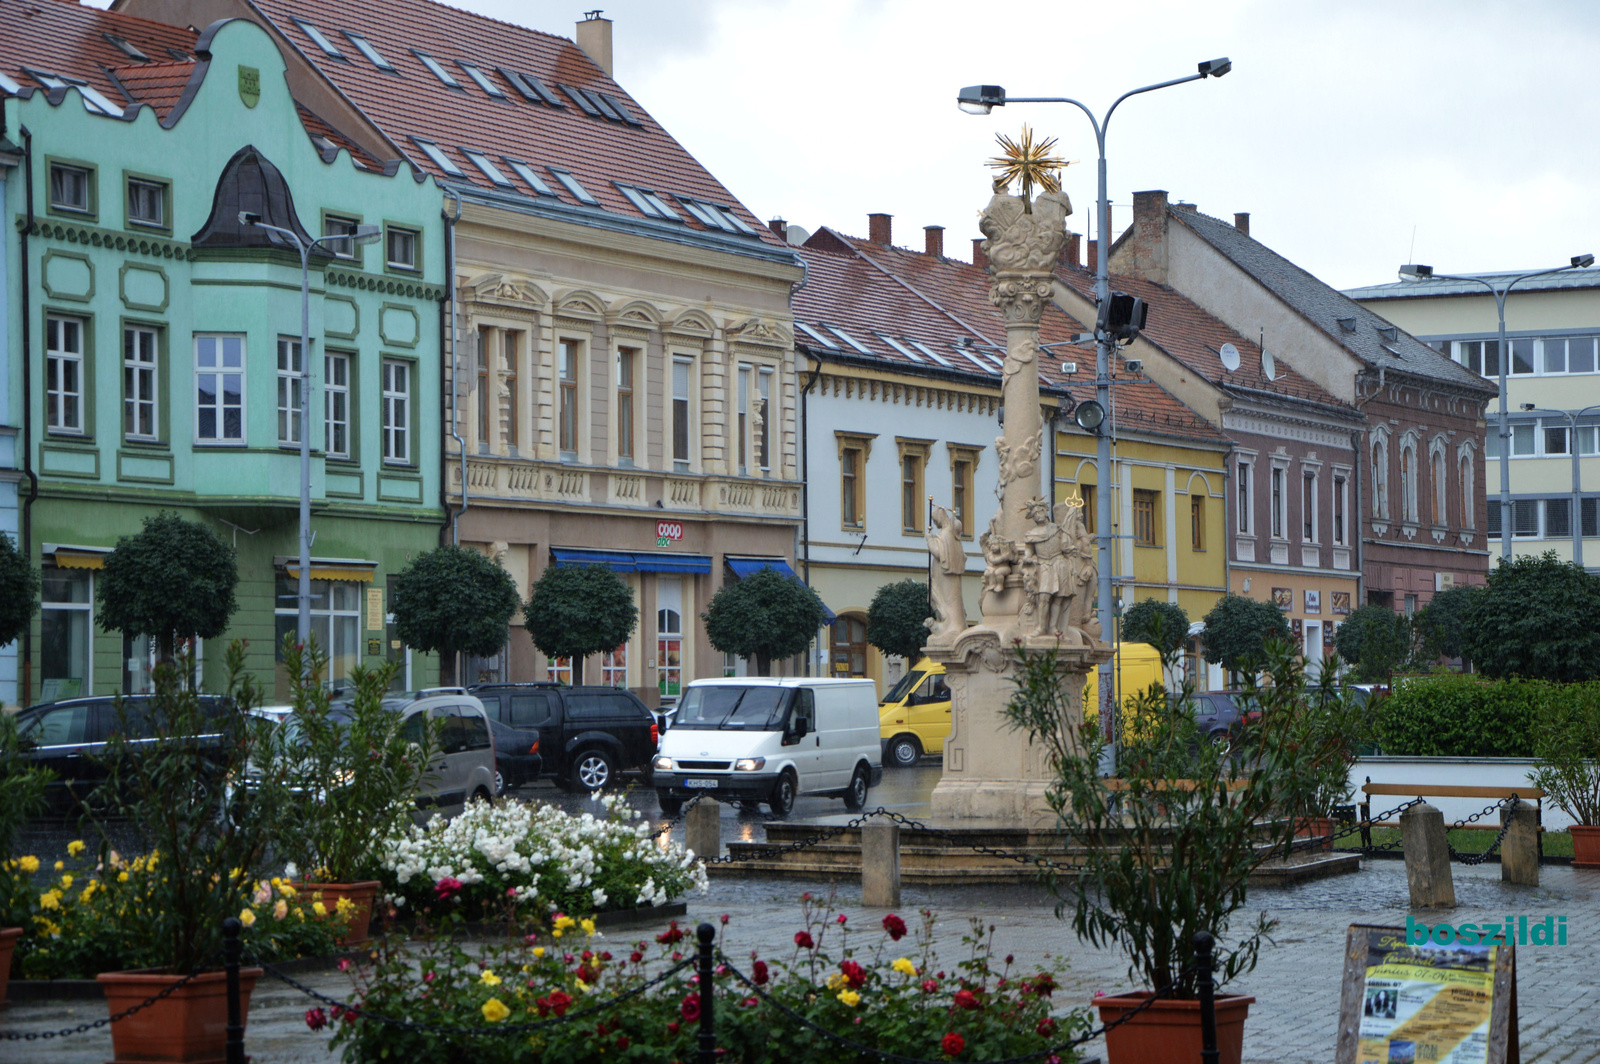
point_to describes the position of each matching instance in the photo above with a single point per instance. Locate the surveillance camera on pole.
(1122, 316)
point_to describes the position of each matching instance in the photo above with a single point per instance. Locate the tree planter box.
(360, 896)
(1170, 1030)
(1585, 845)
(8, 942)
(615, 920)
(189, 1026)
(1316, 827)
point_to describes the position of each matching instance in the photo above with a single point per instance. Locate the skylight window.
(621, 108)
(525, 172)
(582, 100)
(180, 55)
(127, 48)
(319, 39)
(650, 205)
(817, 336)
(490, 170)
(436, 70)
(365, 47)
(440, 159)
(532, 89)
(605, 109)
(715, 217)
(972, 356)
(930, 352)
(9, 86)
(851, 340)
(900, 347)
(483, 82)
(570, 183)
(94, 101)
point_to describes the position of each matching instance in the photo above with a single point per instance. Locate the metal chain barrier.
(988, 851)
(1480, 858)
(67, 1032)
(793, 847)
(674, 821)
(1367, 849)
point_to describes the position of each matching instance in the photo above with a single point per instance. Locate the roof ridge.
(911, 288)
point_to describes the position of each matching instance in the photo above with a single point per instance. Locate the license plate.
(705, 785)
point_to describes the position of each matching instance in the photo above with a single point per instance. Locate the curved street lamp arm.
(1148, 88)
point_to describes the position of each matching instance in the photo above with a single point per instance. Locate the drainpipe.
(805, 488)
(25, 523)
(1354, 521)
(461, 445)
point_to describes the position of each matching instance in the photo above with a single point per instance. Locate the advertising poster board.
(1409, 1003)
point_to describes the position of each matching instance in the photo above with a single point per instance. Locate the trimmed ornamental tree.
(578, 610)
(1164, 625)
(174, 580)
(896, 619)
(19, 591)
(452, 600)
(1442, 623)
(1237, 629)
(764, 616)
(1376, 640)
(1536, 618)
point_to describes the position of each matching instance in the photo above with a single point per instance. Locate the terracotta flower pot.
(190, 1025)
(8, 942)
(1170, 1030)
(1316, 827)
(1585, 845)
(360, 896)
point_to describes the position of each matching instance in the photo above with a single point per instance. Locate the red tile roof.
(316, 127)
(64, 38)
(872, 291)
(160, 85)
(413, 102)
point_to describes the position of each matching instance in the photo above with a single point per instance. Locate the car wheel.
(592, 771)
(670, 806)
(904, 751)
(481, 795)
(499, 784)
(855, 795)
(783, 793)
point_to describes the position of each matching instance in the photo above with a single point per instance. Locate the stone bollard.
(1519, 850)
(880, 864)
(702, 829)
(1427, 858)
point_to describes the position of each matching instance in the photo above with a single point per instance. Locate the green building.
(156, 338)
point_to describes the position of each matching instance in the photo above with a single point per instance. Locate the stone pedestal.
(1427, 858)
(1519, 850)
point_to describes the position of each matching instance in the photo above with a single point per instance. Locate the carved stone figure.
(1084, 573)
(947, 560)
(998, 554)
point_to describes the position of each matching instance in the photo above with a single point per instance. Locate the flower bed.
(885, 994)
(534, 859)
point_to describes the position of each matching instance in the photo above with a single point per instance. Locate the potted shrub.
(1335, 724)
(1167, 850)
(21, 796)
(1567, 751)
(353, 776)
(180, 788)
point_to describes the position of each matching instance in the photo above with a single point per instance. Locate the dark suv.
(587, 735)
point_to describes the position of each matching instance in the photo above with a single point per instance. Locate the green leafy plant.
(1441, 625)
(1164, 625)
(1376, 640)
(896, 619)
(764, 616)
(352, 771)
(1168, 849)
(22, 785)
(1566, 741)
(208, 820)
(1237, 629)
(451, 600)
(19, 592)
(174, 580)
(578, 610)
(1536, 619)
(1455, 715)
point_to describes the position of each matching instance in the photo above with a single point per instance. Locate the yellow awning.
(333, 572)
(75, 560)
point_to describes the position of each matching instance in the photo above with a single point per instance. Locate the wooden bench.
(1441, 790)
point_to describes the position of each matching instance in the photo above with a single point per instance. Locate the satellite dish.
(1230, 357)
(1269, 366)
(798, 235)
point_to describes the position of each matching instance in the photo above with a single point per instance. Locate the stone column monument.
(1039, 575)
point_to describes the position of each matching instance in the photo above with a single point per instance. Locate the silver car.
(463, 765)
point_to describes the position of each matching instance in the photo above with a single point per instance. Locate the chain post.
(1203, 960)
(707, 936)
(231, 947)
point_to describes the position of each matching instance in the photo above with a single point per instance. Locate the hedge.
(1468, 716)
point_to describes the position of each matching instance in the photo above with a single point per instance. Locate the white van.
(771, 740)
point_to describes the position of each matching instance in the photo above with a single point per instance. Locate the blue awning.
(618, 560)
(623, 561)
(671, 563)
(743, 567)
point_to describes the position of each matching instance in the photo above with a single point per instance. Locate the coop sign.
(668, 532)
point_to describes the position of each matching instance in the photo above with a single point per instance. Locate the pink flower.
(842, 918)
(895, 926)
(316, 1019)
(447, 888)
(344, 964)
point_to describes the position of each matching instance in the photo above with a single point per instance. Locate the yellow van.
(914, 717)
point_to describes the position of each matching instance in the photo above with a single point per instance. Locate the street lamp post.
(981, 100)
(1425, 273)
(363, 235)
(1572, 417)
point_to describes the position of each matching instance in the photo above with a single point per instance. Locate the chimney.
(1144, 247)
(594, 37)
(1094, 255)
(933, 240)
(781, 227)
(979, 259)
(878, 229)
(1241, 222)
(1070, 255)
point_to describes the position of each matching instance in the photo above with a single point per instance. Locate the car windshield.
(726, 706)
(907, 684)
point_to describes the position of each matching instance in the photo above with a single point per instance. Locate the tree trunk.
(763, 665)
(577, 670)
(447, 669)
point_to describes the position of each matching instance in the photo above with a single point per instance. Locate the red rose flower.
(672, 1028)
(1045, 1027)
(690, 1009)
(622, 1041)
(636, 956)
(758, 973)
(853, 974)
(671, 935)
(952, 1044)
(1044, 983)
(803, 940)
(842, 918)
(966, 999)
(447, 888)
(316, 1019)
(560, 1001)
(895, 926)
(929, 986)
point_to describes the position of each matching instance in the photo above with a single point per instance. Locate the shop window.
(66, 643)
(335, 624)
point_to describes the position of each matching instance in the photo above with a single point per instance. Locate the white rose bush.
(531, 860)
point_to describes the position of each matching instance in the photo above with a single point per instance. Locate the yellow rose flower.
(588, 926)
(320, 909)
(583, 987)
(50, 899)
(538, 951)
(122, 877)
(344, 906)
(494, 1010)
(29, 864)
(280, 910)
(88, 892)
(850, 997)
(835, 981)
(488, 978)
(75, 847)
(247, 917)
(285, 889)
(904, 967)
(60, 865)
(564, 922)
(66, 882)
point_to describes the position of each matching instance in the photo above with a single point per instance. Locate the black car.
(587, 735)
(69, 738)
(516, 753)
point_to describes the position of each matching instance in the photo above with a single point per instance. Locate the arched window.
(1441, 481)
(1408, 480)
(1380, 478)
(1469, 487)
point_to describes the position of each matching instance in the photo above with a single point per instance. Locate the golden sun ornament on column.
(1031, 164)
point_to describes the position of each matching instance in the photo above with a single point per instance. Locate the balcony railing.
(517, 481)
